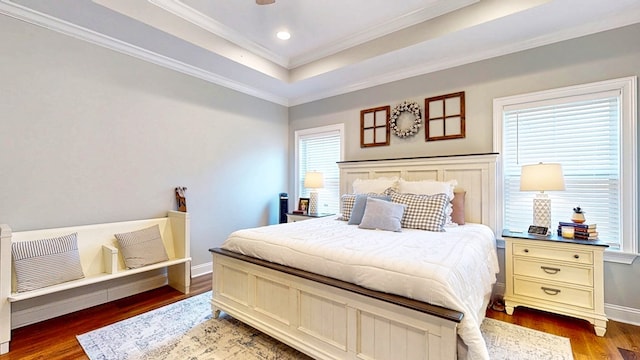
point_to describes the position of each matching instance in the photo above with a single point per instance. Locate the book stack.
(580, 231)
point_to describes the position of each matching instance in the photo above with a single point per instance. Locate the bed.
(310, 284)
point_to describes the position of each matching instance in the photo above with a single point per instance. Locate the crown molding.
(379, 30)
(23, 13)
(180, 9)
(622, 20)
(20, 12)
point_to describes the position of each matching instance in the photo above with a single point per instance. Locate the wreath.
(412, 107)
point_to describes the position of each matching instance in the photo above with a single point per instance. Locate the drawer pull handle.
(526, 250)
(550, 270)
(576, 256)
(550, 291)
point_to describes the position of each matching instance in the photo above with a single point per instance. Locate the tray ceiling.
(336, 46)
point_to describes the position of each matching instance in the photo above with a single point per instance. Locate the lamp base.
(313, 202)
(542, 210)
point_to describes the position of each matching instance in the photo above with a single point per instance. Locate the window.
(589, 129)
(319, 149)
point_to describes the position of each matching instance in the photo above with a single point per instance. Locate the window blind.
(580, 132)
(321, 152)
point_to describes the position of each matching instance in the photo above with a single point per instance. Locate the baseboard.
(46, 307)
(622, 314)
(201, 269)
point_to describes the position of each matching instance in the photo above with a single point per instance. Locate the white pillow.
(427, 187)
(377, 186)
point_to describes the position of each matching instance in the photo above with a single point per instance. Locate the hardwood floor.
(56, 338)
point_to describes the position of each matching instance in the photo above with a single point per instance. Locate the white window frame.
(627, 86)
(312, 131)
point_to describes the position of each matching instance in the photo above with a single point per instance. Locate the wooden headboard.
(476, 174)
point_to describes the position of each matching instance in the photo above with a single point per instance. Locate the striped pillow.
(142, 247)
(46, 262)
(423, 212)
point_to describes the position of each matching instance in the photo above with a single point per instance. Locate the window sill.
(619, 257)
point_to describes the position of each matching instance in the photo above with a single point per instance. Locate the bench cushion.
(46, 262)
(142, 247)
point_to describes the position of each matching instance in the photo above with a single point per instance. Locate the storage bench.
(100, 259)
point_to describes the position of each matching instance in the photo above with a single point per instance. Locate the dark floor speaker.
(284, 207)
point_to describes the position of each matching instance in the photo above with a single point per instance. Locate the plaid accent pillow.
(346, 206)
(423, 212)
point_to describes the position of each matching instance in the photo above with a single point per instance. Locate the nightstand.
(558, 275)
(301, 217)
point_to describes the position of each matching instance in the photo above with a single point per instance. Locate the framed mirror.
(444, 117)
(374, 126)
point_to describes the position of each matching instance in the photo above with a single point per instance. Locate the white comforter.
(454, 269)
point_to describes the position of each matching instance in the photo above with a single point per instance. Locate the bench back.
(174, 230)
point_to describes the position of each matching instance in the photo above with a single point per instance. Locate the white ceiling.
(337, 46)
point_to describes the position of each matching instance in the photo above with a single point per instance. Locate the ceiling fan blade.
(265, 2)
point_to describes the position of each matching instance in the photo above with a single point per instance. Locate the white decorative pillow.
(375, 186)
(46, 262)
(383, 215)
(427, 187)
(423, 212)
(142, 247)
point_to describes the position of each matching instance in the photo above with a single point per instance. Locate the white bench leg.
(180, 277)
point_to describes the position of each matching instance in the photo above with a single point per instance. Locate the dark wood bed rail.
(434, 310)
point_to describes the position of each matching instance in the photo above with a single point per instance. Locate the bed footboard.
(326, 318)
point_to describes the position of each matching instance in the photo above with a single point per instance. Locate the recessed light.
(283, 35)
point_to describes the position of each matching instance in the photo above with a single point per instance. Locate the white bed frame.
(329, 319)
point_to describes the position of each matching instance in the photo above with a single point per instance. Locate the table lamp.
(313, 180)
(542, 177)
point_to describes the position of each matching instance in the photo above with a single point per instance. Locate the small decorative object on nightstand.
(292, 217)
(578, 215)
(558, 275)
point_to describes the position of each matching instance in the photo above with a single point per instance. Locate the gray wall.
(89, 135)
(597, 57)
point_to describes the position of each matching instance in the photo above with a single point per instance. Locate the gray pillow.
(46, 262)
(383, 215)
(360, 204)
(142, 247)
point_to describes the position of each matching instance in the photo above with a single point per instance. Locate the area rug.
(186, 330)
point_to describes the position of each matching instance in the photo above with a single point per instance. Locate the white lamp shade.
(314, 180)
(541, 177)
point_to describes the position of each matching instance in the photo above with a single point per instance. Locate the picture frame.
(303, 205)
(374, 126)
(445, 117)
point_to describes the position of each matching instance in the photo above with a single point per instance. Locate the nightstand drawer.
(573, 256)
(549, 271)
(553, 292)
